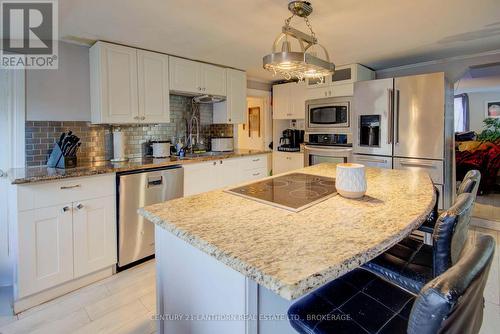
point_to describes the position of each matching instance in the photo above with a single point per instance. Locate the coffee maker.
(291, 140)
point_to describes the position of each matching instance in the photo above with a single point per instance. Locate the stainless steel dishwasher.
(136, 189)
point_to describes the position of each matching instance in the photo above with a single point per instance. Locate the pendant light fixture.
(305, 62)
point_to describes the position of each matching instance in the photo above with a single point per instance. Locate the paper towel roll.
(118, 146)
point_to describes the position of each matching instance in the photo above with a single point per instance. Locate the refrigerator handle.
(397, 116)
(390, 108)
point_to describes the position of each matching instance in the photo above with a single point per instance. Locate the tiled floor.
(125, 303)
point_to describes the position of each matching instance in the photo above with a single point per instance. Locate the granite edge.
(300, 288)
(99, 170)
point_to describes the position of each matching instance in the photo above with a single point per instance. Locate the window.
(461, 113)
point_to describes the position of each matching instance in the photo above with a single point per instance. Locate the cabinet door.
(234, 109)
(298, 101)
(118, 82)
(94, 235)
(184, 75)
(229, 172)
(213, 80)
(154, 91)
(318, 93)
(200, 177)
(281, 102)
(286, 162)
(45, 256)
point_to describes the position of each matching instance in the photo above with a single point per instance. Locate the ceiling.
(238, 33)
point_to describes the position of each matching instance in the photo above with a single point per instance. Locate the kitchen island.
(234, 265)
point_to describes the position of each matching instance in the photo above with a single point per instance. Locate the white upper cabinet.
(213, 79)
(113, 83)
(289, 101)
(184, 75)
(187, 76)
(154, 90)
(233, 110)
(128, 85)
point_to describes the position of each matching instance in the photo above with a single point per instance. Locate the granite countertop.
(41, 174)
(294, 253)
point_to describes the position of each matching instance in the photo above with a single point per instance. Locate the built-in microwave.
(328, 114)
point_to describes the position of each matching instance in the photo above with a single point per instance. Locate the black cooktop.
(295, 192)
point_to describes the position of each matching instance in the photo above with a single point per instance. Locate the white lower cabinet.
(45, 249)
(287, 161)
(217, 174)
(61, 242)
(94, 232)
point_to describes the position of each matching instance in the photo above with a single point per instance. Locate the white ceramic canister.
(350, 180)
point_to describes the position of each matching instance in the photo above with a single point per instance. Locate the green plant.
(491, 130)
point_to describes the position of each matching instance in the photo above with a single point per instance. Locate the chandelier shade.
(303, 63)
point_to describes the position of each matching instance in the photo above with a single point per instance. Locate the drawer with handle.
(433, 167)
(255, 174)
(254, 162)
(41, 195)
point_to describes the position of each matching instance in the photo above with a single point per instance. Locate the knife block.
(58, 160)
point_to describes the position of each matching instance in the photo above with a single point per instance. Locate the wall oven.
(332, 148)
(328, 114)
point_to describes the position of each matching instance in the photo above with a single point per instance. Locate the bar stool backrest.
(450, 233)
(453, 302)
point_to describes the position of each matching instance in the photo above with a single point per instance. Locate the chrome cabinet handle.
(421, 164)
(79, 206)
(372, 160)
(397, 116)
(220, 162)
(71, 187)
(255, 160)
(215, 163)
(229, 120)
(65, 209)
(256, 174)
(390, 109)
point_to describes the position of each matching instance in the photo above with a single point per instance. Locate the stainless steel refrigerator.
(406, 123)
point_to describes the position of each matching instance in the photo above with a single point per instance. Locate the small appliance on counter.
(64, 153)
(118, 146)
(222, 144)
(291, 140)
(161, 148)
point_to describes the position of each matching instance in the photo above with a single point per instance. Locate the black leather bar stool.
(361, 302)
(470, 184)
(411, 263)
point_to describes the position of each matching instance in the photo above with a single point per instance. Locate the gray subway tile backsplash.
(97, 142)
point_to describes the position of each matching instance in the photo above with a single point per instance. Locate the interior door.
(419, 116)
(154, 90)
(94, 235)
(373, 98)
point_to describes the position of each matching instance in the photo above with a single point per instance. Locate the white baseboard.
(25, 303)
